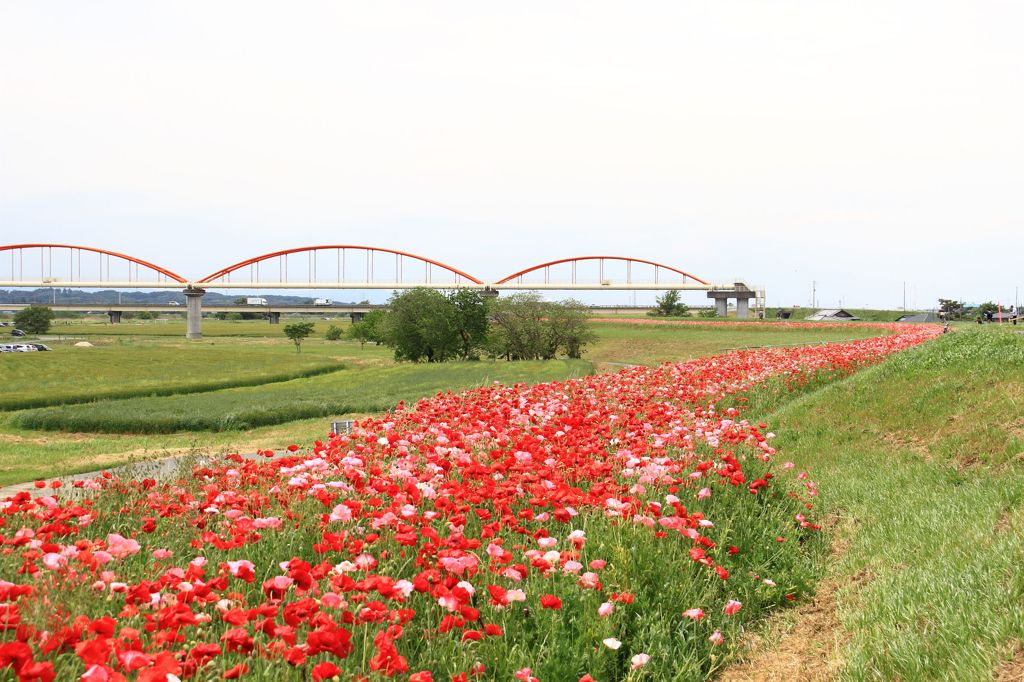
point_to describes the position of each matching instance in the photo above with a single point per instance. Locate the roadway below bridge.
(272, 311)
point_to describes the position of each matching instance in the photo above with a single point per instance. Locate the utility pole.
(814, 293)
(904, 296)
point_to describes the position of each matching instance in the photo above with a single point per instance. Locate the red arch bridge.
(345, 266)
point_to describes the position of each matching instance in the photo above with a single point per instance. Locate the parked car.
(17, 348)
(39, 346)
(17, 332)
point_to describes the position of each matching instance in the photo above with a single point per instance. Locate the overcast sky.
(860, 145)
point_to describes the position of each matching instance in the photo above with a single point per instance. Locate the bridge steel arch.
(164, 277)
(515, 280)
(222, 278)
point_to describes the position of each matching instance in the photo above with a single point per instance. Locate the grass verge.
(918, 460)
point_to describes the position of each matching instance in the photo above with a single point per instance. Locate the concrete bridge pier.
(742, 308)
(741, 293)
(194, 312)
(275, 318)
(115, 316)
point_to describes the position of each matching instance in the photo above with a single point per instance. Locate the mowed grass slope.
(74, 375)
(365, 389)
(919, 465)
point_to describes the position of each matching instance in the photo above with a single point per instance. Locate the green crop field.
(356, 390)
(174, 327)
(243, 387)
(650, 344)
(121, 370)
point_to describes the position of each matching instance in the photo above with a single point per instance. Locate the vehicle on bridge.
(254, 300)
(323, 301)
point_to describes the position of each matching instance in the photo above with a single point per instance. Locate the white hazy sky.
(860, 144)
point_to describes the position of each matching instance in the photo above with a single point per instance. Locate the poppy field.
(618, 526)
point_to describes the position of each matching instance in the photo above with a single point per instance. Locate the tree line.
(426, 325)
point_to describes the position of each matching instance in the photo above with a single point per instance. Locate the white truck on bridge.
(323, 301)
(255, 300)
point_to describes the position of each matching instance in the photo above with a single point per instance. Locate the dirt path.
(803, 643)
(163, 467)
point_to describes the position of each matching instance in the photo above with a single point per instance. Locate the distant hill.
(108, 296)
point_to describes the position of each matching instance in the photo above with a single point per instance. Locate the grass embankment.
(651, 344)
(75, 375)
(919, 464)
(368, 389)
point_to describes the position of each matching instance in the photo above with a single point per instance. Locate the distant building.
(1005, 316)
(832, 315)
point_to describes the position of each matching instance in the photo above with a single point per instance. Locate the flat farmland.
(916, 454)
(148, 393)
(172, 327)
(647, 341)
(119, 368)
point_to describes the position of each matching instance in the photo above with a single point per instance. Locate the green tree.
(297, 332)
(708, 312)
(529, 328)
(568, 329)
(420, 325)
(333, 333)
(951, 308)
(370, 328)
(669, 305)
(469, 311)
(518, 332)
(987, 307)
(35, 319)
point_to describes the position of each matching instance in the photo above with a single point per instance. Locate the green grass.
(175, 327)
(27, 455)
(652, 344)
(367, 389)
(919, 461)
(121, 369)
(147, 363)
